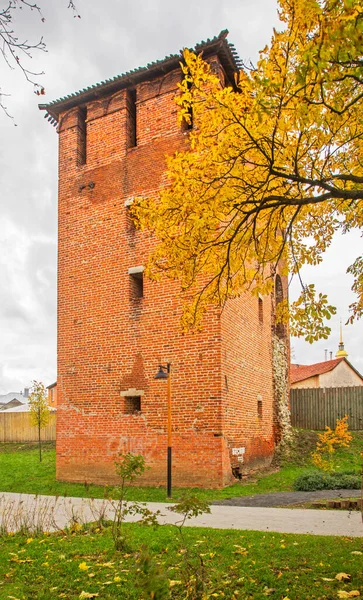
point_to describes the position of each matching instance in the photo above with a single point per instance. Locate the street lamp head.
(161, 373)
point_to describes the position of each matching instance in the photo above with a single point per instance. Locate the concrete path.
(51, 513)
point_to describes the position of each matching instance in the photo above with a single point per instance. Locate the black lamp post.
(165, 373)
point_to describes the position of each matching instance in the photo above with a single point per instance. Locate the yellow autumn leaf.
(357, 552)
(88, 595)
(342, 577)
(173, 582)
(268, 591)
(351, 594)
(117, 579)
(29, 540)
(83, 566)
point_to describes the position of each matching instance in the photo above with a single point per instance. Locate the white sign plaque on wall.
(239, 452)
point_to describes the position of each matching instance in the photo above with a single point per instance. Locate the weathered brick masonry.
(112, 334)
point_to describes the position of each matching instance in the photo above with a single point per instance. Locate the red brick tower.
(115, 327)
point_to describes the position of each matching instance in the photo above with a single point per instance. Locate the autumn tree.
(14, 50)
(39, 410)
(274, 167)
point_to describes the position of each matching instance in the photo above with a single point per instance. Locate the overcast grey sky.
(110, 38)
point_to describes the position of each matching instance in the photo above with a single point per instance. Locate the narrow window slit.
(136, 283)
(259, 409)
(82, 136)
(188, 123)
(131, 118)
(260, 310)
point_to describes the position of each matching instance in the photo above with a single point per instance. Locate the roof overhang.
(219, 46)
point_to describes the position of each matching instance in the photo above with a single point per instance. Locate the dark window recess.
(260, 310)
(259, 409)
(82, 136)
(136, 286)
(130, 223)
(279, 296)
(131, 118)
(132, 404)
(188, 124)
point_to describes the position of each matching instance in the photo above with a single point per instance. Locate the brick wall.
(109, 341)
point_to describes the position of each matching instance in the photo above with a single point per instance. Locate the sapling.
(129, 467)
(39, 410)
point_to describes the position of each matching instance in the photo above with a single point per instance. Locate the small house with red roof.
(338, 372)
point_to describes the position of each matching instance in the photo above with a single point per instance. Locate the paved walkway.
(51, 513)
(287, 498)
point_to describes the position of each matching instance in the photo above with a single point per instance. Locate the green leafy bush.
(317, 480)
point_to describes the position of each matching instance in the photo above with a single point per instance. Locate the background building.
(337, 372)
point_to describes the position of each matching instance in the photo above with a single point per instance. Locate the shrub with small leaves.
(194, 573)
(316, 480)
(151, 577)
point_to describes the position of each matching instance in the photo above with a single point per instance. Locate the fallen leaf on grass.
(88, 595)
(21, 560)
(173, 582)
(327, 579)
(83, 566)
(268, 591)
(356, 552)
(342, 577)
(352, 594)
(240, 550)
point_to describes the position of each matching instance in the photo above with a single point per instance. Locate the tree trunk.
(40, 443)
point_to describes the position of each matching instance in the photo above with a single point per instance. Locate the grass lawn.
(237, 565)
(21, 471)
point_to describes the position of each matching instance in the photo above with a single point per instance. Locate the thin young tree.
(39, 410)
